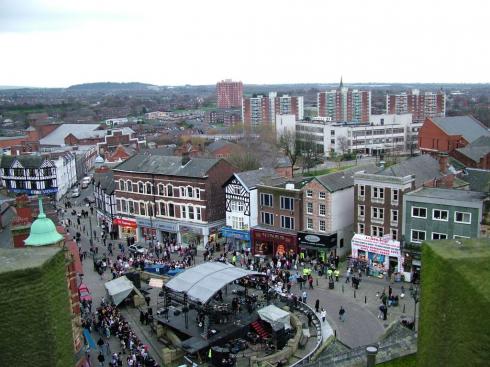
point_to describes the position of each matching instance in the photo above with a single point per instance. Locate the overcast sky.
(56, 43)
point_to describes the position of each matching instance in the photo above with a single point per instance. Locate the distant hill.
(108, 86)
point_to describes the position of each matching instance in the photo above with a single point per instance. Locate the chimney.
(443, 163)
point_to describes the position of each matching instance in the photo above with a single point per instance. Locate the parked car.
(137, 249)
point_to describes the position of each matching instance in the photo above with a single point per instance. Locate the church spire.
(341, 83)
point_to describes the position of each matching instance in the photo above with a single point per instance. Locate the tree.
(290, 146)
(343, 143)
(244, 161)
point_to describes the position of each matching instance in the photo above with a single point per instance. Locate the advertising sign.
(52, 190)
(125, 222)
(377, 245)
(306, 239)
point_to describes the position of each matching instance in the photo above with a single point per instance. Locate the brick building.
(445, 134)
(222, 149)
(475, 154)
(170, 197)
(420, 105)
(229, 94)
(262, 109)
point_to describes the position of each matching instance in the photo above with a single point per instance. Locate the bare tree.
(343, 143)
(245, 161)
(290, 146)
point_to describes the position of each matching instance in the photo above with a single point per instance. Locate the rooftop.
(467, 126)
(478, 149)
(218, 144)
(26, 160)
(23, 258)
(106, 181)
(447, 194)
(341, 180)
(478, 179)
(57, 136)
(256, 177)
(167, 165)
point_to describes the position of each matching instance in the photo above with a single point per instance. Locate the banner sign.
(125, 222)
(52, 190)
(377, 245)
(235, 233)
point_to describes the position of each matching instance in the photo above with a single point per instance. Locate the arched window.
(142, 208)
(129, 185)
(124, 206)
(148, 188)
(121, 185)
(189, 192)
(150, 209)
(141, 188)
(163, 209)
(170, 190)
(161, 190)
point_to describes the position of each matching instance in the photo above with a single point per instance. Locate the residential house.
(241, 206)
(280, 216)
(328, 213)
(168, 197)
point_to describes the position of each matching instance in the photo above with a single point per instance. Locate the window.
(378, 193)
(287, 203)
(190, 209)
(438, 214)
(266, 200)
(150, 209)
(118, 205)
(170, 190)
(267, 218)
(360, 210)
(183, 211)
(394, 195)
(332, 141)
(190, 192)
(131, 206)
(322, 195)
(394, 234)
(148, 188)
(237, 222)
(360, 228)
(439, 236)
(418, 236)
(129, 186)
(124, 206)
(322, 209)
(236, 190)
(377, 213)
(394, 216)
(309, 223)
(198, 194)
(362, 190)
(161, 190)
(121, 185)
(141, 188)
(309, 208)
(198, 213)
(182, 192)
(163, 209)
(377, 231)
(321, 226)
(419, 212)
(309, 193)
(462, 217)
(142, 208)
(332, 132)
(171, 210)
(287, 222)
(236, 206)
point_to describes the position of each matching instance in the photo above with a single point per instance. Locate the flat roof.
(447, 194)
(13, 259)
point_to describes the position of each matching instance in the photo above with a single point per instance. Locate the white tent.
(118, 289)
(275, 316)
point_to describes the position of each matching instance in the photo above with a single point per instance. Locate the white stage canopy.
(201, 282)
(118, 289)
(275, 316)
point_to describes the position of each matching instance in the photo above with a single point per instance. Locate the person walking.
(342, 314)
(317, 305)
(101, 359)
(305, 295)
(323, 314)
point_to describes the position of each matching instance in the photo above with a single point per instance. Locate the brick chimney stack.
(443, 162)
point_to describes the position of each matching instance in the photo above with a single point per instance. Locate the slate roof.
(27, 161)
(424, 167)
(256, 177)
(280, 182)
(218, 144)
(447, 194)
(467, 126)
(478, 149)
(106, 181)
(478, 179)
(80, 131)
(167, 165)
(341, 180)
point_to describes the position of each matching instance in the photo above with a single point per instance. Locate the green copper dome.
(43, 230)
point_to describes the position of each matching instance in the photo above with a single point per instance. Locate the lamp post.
(416, 299)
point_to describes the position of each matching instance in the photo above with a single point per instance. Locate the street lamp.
(416, 299)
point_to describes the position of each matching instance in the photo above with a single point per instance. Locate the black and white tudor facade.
(242, 206)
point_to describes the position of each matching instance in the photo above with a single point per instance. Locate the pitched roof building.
(475, 154)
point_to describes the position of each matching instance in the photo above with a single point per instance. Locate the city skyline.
(57, 44)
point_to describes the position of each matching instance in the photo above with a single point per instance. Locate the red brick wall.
(434, 139)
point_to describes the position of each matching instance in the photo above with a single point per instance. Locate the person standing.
(323, 314)
(305, 295)
(342, 314)
(101, 359)
(317, 305)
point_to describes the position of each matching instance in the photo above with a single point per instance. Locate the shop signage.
(52, 190)
(274, 237)
(376, 245)
(235, 233)
(189, 229)
(125, 222)
(306, 239)
(157, 224)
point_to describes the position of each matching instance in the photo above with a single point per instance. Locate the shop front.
(380, 255)
(191, 235)
(317, 246)
(162, 230)
(273, 243)
(127, 227)
(239, 239)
